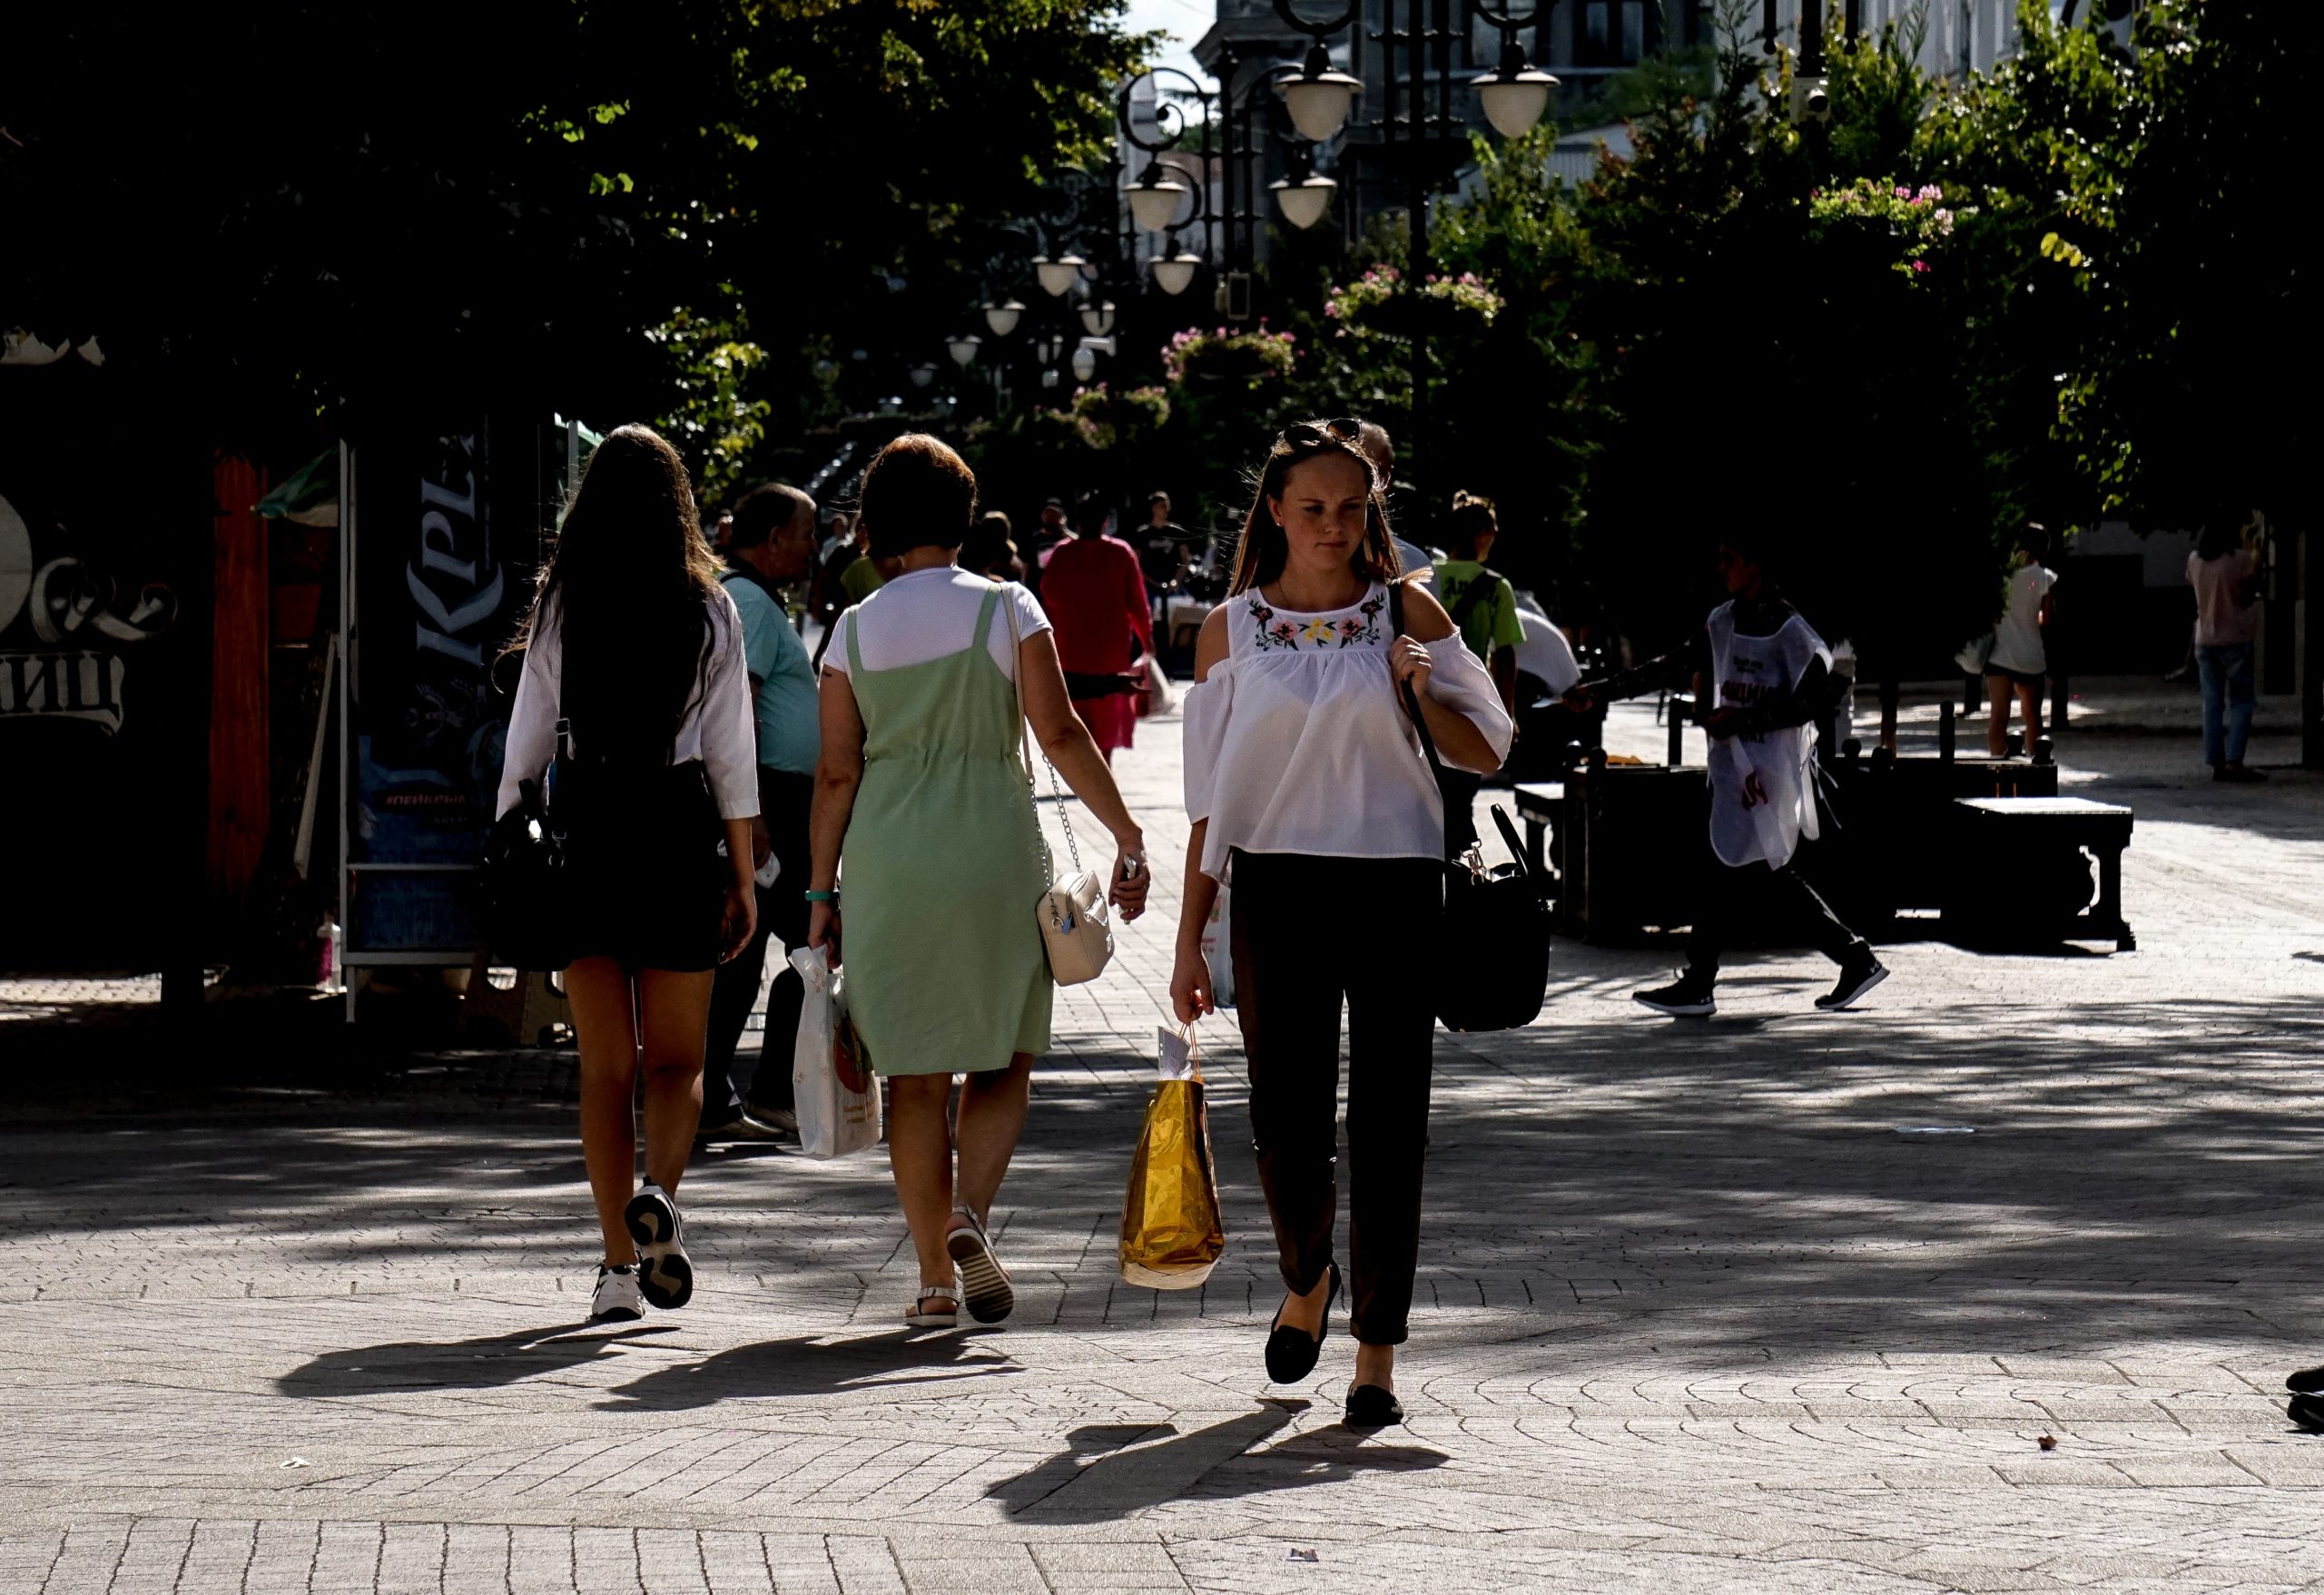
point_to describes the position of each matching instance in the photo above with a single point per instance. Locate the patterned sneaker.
(1688, 997)
(1856, 981)
(663, 1270)
(616, 1300)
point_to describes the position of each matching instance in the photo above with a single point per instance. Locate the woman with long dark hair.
(636, 649)
(1309, 795)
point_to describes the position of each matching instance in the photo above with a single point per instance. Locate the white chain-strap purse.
(1072, 912)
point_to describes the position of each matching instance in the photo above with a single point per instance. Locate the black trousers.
(1294, 965)
(1781, 899)
(783, 915)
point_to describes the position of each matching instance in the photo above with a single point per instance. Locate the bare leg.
(992, 1116)
(920, 1152)
(604, 1027)
(2029, 700)
(1375, 1364)
(1997, 727)
(674, 1022)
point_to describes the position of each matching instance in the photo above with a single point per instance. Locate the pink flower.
(1920, 267)
(1928, 191)
(1903, 194)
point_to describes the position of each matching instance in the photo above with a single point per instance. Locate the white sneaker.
(616, 1299)
(663, 1271)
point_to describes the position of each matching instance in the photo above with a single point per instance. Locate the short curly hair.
(918, 494)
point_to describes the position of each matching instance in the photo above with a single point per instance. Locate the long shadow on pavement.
(485, 1363)
(810, 1366)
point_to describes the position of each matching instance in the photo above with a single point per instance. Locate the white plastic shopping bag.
(837, 1094)
(1219, 949)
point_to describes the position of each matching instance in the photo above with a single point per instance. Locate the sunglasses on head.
(1314, 435)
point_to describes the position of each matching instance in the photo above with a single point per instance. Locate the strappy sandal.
(991, 1296)
(949, 1318)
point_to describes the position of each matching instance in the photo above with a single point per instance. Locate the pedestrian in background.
(632, 640)
(1309, 796)
(1413, 563)
(1095, 593)
(2223, 569)
(771, 547)
(2019, 664)
(923, 814)
(1483, 606)
(991, 549)
(1763, 678)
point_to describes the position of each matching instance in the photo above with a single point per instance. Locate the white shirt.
(925, 614)
(1298, 742)
(718, 728)
(1545, 654)
(1762, 788)
(2017, 634)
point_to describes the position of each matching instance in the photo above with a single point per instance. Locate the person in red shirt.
(1095, 593)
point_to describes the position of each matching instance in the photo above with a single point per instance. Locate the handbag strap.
(1024, 747)
(1411, 711)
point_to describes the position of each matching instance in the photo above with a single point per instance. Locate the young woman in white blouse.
(1310, 795)
(633, 641)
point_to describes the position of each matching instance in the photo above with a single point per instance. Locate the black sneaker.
(2307, 1382)
(1856, 980)
(2308, 1411)
(663, 1271)
(1688, 998)
(743, 1127)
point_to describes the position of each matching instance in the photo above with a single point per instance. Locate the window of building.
(1613, 32)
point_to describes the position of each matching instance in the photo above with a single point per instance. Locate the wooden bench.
(1997, 836)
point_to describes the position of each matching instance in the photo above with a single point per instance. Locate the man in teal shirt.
(772, 544)
(1483, 606)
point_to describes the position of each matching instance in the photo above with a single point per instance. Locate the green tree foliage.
(404, 211)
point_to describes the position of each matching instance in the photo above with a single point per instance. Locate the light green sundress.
(945, 972)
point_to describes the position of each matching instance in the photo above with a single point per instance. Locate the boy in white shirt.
(1764, 679)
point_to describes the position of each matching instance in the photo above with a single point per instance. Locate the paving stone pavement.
(1694, 1313)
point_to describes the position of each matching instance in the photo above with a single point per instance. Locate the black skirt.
(649, 889)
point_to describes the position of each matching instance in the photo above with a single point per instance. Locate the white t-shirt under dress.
(924, 614)
(1298, 742)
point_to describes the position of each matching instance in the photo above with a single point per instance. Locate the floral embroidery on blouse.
(1362, 627)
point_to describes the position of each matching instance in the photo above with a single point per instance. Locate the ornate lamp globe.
(1174, 275)
(1319, 99)
(1155, 198)
(964, 349)
(1303, 203)
(1085, 363)
(1057, 276)
(1002, 316)
(1097, 317)
(1516, 96)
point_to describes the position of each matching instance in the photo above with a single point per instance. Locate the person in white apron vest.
(1766, 678)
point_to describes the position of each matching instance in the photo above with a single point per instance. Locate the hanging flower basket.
(1382, 305)
(1230, 356)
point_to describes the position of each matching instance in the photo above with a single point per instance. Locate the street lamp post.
(1419, 127)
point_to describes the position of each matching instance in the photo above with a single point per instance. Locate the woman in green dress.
(922, 796)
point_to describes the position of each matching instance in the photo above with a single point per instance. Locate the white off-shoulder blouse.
(1299, 742)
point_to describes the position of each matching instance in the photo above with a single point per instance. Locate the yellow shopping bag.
(1171, 1236)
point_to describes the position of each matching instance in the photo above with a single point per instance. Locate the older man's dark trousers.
(1309, 933)
(734, 990)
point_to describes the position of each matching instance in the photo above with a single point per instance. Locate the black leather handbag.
(1492, 950)
(525, 903)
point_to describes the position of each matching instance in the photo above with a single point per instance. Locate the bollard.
(2044, 752)
(1678, 734)
(1945, 731)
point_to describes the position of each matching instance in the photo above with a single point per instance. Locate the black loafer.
(2308, 1411)
(1291, 1351)
(2307, 1382)
(1371, 1407)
